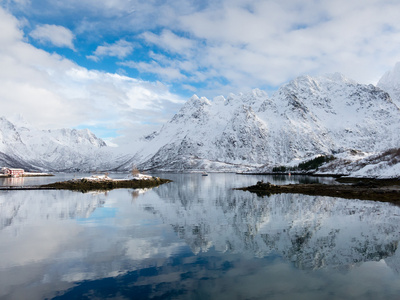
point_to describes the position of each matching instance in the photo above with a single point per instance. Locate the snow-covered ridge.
(358, 164)
(390, 82)
(21, 145)
(306, 117)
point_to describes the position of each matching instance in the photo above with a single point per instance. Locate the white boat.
(204, 174)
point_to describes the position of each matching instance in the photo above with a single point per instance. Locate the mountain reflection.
(312, 232)
(19, 207)
(194, 234)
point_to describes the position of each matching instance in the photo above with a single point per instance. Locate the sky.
(122, 68)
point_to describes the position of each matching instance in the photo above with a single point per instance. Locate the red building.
(13, 172)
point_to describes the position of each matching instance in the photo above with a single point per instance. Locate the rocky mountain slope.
(306, 117)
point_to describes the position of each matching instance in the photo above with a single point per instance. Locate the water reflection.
(312, 232)
(13, 181)
(196, 238)
(39, 180)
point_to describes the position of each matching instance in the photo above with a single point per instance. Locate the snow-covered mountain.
(306, 117)
(390, 82)
(21, 145)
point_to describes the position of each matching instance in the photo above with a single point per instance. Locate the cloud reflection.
(191, 237)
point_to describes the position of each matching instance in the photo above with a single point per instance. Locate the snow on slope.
(358, 164)
(343, 113)
(308, 116)
(390, 82)
(23, 146)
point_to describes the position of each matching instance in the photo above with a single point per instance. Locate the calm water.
(196, 238)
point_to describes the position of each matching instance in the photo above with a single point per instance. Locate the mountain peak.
(338, 77)
(307, 81)
(391, 76)
(50, 150)
(198, 101)
(19, 120)
(390, 82)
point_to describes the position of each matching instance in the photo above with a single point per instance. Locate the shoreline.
(27, 174)
(24, 188)
(384, 190)
(295, 174)
(36, 174)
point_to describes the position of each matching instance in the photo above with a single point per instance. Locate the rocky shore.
(387, 190)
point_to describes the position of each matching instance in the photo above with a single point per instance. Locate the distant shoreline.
(293, 174)
(384, 190)
(27, 174)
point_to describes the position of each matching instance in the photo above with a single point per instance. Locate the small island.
(386, 190)
(104, 183)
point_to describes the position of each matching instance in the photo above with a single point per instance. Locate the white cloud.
(215, 47)
(250, 43)
(254, 43)
(59, 36)
(274, 43)
(170, 41)
(119, 49)
(10, 32)
(169, 72)
(51, 91)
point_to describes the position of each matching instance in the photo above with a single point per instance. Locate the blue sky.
(124, 67)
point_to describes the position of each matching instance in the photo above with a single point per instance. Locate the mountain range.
(307, 117)
(61, 150)
(304, 118)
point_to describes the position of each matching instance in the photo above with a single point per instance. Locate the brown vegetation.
(367, 189)
(85, 185)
